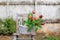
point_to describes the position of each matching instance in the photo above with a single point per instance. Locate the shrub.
(10, 25)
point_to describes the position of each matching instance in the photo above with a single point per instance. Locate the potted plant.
(32, 23)
(10, 26)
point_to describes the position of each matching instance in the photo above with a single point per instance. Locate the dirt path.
(6, 37)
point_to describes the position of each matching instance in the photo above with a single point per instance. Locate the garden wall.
(49, 12)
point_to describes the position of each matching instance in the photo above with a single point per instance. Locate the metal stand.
(32, 37)
(16, 37)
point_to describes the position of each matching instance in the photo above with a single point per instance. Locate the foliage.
(43, 36)
(52, 38)
(7, 26)
(10, 25)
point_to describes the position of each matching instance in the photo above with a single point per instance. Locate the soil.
(6, 37)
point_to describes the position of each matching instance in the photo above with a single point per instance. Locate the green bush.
(7, 26)
(10, 25)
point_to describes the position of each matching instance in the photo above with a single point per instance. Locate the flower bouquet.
(34, 22)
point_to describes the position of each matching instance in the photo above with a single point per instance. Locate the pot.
(23, 30)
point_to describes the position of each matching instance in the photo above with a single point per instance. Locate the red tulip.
(35, 18)
(42, 23)
(33, 12)
(32, 19)
(30, 16)
(40, 16)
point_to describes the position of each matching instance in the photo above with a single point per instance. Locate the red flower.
(35, 18)
(32, 19)
(33, 12)
(42, 23)
(30, 16)
(40, 16)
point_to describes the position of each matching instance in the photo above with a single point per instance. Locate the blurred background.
(14, 7)
(50, 9)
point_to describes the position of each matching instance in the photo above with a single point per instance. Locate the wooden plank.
(17, 3)
(47, 1)
(3, 3)
(21, 3)
(40, 3)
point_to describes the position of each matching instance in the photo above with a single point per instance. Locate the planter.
(23, 30)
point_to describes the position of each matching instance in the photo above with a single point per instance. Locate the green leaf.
(40, 26)
(29, 29)
(35, 28)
